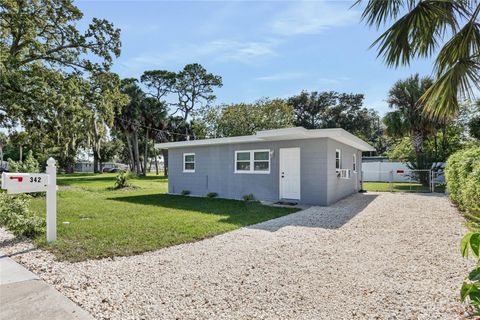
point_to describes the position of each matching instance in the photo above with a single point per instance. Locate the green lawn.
(399, 186)
(104, 222)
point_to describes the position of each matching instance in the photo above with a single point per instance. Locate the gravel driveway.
(375, 256)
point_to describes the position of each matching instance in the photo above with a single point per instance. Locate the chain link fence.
(402, 180)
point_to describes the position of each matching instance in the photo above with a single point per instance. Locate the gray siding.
(340, 188)
(214, 171)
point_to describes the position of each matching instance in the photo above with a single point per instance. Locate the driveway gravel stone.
(369, 256)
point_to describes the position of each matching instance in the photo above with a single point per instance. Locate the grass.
(103, 222)
(400, 186)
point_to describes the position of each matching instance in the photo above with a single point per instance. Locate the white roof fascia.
(278, 134)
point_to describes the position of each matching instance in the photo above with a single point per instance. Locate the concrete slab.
(11, 272)
(35, 299)
(23, 296)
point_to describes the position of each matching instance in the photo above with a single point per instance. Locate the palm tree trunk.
(21, 153)
(418, 139)
(130, 151)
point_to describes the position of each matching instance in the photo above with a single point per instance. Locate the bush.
(248, 197)
(185, 192)
(212, 194)
(17, 218)
(471, 285)
(121, 180)
(30, 164)
(462, 173)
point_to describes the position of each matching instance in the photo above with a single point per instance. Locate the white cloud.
(282, 76)
(218, 50)
(313, 17)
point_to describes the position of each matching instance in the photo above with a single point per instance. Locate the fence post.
(391, 180)
(51, 200)
(432, 182)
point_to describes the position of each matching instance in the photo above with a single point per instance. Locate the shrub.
(17, 218)
(30, 164)
(121, 180)
(248, 197)
(471, 285)
(185, 192)
(462, 173)
(212, 194)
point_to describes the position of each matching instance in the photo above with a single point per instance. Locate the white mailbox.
(37, 182)
(24, 182)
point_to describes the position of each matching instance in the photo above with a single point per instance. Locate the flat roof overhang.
(296, 133)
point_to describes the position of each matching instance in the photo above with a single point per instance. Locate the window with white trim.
(252, 161)
(354, 163)
(338, 159)
(189, 162)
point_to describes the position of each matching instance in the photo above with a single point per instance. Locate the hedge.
(462, 173)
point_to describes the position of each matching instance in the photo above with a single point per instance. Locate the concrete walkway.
(23, 296)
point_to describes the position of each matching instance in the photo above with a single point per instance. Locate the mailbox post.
(37, 182)
(51, 200)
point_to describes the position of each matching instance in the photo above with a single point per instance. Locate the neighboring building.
(315, 167)
(87, 166)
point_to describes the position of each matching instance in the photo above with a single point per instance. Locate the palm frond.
(378, 12)
(461, 46)
(441, 99)
(418, 32)
(395, 124)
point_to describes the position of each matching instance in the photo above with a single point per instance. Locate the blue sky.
(261, 49)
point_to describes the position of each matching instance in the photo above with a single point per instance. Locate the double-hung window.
(252, 161)
(338, 159)
(189, 162)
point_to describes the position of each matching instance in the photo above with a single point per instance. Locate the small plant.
(212, 194)
(17, 218)
(185, 192)
(471, 284)
(248, 197)
(121, 180)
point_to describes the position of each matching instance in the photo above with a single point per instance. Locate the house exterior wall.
(340, 188)
(215, 164)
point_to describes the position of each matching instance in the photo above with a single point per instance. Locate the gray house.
(315, 167)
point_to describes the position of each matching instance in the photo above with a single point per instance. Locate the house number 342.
(36, 179)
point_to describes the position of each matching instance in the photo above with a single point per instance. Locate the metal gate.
(403, 180)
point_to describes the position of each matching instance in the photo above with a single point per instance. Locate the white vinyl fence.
(380, 171)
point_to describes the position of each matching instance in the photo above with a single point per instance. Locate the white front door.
(290, 173)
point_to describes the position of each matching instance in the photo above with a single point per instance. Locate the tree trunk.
(95, 162)
(156, 162)
(130, 151)
(417, 144)
(96, 147)
(1, 157)
(21, 153)
(145, 157)
(165, 162)
(136, 153)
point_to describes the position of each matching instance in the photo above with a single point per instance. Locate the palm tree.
(408, 118)
(418, 29)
